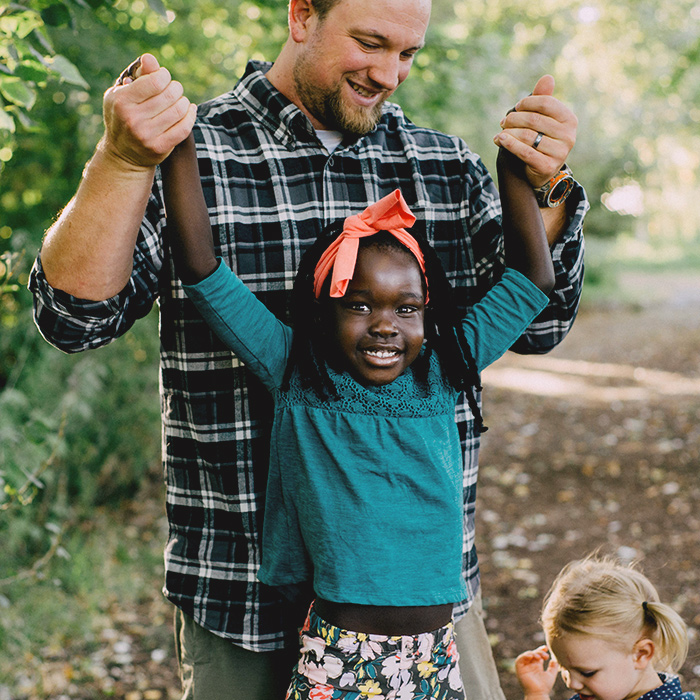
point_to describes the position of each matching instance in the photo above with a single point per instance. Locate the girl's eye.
(404, 310)
(357, 306)
(588, 674)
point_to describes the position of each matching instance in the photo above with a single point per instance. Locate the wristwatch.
(555, 191)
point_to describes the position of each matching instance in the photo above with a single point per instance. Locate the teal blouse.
(364, 493)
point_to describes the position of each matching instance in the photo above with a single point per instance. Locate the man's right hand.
(146, 117)
(88, 252)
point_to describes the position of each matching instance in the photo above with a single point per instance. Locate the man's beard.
(329, 107)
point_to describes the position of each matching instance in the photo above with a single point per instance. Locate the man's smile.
(365, 92)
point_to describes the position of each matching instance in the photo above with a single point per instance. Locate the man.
(294, 146)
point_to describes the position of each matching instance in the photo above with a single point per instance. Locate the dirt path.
(596, 445)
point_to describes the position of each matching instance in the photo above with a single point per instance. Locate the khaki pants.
(476, 662)
(212, 668)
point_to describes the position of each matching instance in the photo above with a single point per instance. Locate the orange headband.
(390, 214)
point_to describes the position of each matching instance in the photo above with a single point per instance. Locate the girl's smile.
(378, 326)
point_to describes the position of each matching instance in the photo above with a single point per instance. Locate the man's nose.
(386, 70)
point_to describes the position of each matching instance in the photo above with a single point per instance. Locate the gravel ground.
(595, 446)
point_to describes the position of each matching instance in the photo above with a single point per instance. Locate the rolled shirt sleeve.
(72, 324)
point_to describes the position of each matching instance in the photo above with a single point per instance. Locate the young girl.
(608, 635)
(364, 491)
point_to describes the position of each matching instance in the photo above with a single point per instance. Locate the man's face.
(355, 58)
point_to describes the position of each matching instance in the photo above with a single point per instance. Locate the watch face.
(558, 193)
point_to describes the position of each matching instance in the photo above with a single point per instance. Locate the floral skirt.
(336, 664)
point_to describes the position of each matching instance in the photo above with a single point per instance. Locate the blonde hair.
(603, 598)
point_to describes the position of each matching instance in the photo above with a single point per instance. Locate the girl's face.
(378, 326)
(599, 669)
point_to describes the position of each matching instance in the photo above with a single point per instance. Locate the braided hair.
(443, 323)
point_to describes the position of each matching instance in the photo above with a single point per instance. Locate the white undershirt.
(330, 139)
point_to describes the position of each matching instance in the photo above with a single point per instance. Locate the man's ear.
(300, 14)
(643, 653)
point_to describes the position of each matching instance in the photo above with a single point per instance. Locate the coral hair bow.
(391, 213)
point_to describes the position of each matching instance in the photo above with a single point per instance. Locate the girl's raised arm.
(188, 217)
(527, 250)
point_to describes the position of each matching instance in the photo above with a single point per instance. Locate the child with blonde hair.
(609, 636)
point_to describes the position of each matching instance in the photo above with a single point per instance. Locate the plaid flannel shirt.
(271, 187)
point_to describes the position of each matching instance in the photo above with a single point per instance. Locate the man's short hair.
(323, 7)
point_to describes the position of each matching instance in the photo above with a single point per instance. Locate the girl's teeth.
(381, 353)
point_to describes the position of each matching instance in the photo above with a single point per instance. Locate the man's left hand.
(541, 131)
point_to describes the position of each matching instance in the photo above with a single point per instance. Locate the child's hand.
(536, 679)
(510, 163)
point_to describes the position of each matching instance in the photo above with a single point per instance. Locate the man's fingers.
(544, 86)
(170, 117)
(149, 64)
(147, 86)
(146, 113)
(539, 166)
(179, 131)
(152, 101)
(545, 105)
(557, 123)
(544, 159)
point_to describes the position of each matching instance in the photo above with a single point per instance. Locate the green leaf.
(68, 72)
(7, 123)
(158, 6)
(32, 71)
(20, 25)
(27, 123)
(18, 92)
(56, 15)
(43, 41)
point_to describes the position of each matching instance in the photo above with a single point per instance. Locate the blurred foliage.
(83, 430)
(28, 61)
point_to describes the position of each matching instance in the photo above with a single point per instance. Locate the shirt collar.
(282, 117)
(271, 108)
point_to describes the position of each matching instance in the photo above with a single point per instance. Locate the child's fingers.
(539, 653)
(129, 74)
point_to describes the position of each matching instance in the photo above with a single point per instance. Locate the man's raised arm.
(88, 251)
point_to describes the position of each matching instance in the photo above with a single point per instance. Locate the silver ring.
(537, 140)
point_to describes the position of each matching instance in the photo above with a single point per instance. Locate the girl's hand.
(536, 679)
(541, 131)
